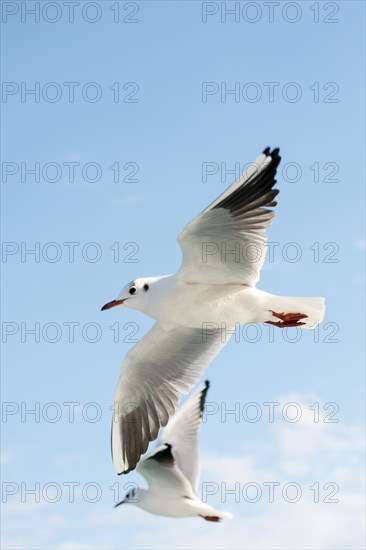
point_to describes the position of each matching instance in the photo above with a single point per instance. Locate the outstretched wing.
(160, 471)
(225, 244)
(182, 434)
(167, 362)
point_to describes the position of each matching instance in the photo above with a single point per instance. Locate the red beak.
(113, 303)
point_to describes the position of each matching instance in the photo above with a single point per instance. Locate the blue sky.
(161, 143)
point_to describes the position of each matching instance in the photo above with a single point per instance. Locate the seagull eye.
(146, 286)
(132, 290)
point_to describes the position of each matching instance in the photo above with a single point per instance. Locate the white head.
(134, 496)
(134, 294)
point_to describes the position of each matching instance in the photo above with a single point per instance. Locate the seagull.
(195, 310)
(172, 469)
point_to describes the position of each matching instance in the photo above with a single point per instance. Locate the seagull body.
(196, 305)
(172, 469)
(223, 251)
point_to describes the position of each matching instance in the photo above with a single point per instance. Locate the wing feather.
(167, 362)
(182, 434)
(165, 479)
(226, 244)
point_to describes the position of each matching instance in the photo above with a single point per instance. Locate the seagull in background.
(172, 470)
(223, 252)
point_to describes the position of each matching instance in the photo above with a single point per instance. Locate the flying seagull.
(223, 251)
(172, 470)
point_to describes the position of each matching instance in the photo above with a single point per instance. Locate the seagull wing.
(225, 244)
(160, 470)
(182, 434)
(166, 362)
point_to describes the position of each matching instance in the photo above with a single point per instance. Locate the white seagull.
(223, 251)
(172, 470)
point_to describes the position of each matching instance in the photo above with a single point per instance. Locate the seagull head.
(132, 497)
(131, 294)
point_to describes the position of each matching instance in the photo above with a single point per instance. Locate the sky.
(141, 114)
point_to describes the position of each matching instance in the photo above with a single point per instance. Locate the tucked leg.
(287, 319)
(211, 518)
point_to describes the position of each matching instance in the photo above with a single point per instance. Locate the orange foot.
(211, 518)
(287, 319)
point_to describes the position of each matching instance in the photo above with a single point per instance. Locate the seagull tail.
(286, 311)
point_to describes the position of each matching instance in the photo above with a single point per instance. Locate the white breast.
(175, 302)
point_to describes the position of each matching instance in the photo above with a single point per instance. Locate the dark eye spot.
(132, 290)
(146, 286)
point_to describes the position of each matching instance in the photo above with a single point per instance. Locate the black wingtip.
(203, 396)
(125, 472)
(164, 456)
(274, 153)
